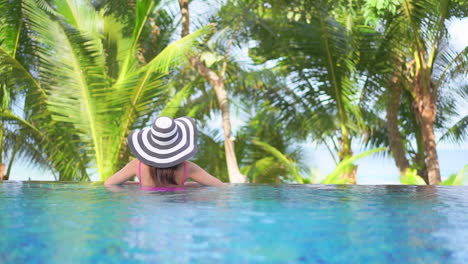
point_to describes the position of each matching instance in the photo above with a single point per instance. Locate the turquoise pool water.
(79, 223)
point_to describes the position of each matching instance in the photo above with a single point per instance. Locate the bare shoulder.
(123, 174)
(193, 167)
(134, 163)
(201, 176)
(132, 166)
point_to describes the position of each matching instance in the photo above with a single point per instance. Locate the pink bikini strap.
(185, 173)
(139, 172)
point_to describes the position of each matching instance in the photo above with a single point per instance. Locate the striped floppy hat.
(166, 143)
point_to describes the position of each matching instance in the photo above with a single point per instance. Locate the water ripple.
(62, 223)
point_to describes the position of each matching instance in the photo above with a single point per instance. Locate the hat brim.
(145, 148)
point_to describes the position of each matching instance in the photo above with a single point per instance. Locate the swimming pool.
(71, 223)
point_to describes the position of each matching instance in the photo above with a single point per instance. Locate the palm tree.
(18, 137)
(419, 67)
(217, 81)
(318, 46)
(93, 81)
(266, 151)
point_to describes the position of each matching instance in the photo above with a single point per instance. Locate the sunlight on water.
(62, 223)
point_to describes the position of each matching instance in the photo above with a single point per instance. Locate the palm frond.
(143, 10)
(264, 170)
(458, 132)
(412, 178)
(174, 104)
(134, 95)
(8, 115)
(457, 179)
(211, 152)
(293, 171)
(451, 65)
(68, 56)
(10, 26)
(334, 177)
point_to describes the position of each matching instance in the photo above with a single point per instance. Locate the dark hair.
(163, 176)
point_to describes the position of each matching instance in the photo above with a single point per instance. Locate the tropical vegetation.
(77, 76)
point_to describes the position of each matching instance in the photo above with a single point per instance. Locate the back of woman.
(161, 152)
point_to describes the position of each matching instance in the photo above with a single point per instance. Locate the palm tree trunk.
(394, 137)
(12, 159)
(351, 174)
(218, 84)
(418, 160)
(346, 152)
(345, 140)
(432, 160)
(420, 157)
(426, 110)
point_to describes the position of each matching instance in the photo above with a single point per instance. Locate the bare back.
(144, 175)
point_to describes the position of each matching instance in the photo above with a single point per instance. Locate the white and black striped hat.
(166, 143)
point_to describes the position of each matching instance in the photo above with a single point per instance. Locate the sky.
(371, 170)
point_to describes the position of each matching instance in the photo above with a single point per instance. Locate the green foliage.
(89, 72)
(411, 177)
(259, 168)
(318, 48)
(335, 176)
(210, 154)
(210, 58)
(451, 180)
(376, 9)
(93, 100)
(290, 164)
(173, 105)
(457, 179)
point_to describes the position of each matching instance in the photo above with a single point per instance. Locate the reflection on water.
(59, 223)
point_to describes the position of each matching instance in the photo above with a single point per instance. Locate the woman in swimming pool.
(161, 152)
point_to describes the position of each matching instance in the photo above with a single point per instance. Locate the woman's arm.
(123, 175)
(201, 176)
